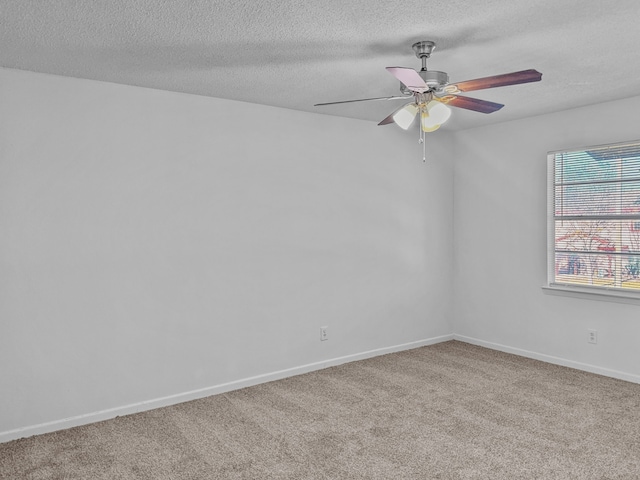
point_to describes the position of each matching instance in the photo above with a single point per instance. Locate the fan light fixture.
(431, 90)
(432, 115)
(405, 116)
(437, 114)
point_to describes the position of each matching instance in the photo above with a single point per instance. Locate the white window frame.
(578, 290)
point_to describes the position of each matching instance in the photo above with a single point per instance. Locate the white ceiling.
(293, 54)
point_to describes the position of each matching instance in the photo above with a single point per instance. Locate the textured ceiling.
(294, 54)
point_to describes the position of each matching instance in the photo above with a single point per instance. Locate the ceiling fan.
(431, 92)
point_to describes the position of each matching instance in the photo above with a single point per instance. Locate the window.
(594, 218)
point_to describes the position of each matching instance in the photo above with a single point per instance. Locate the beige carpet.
(448, 411)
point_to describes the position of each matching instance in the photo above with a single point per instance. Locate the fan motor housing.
(434, 79)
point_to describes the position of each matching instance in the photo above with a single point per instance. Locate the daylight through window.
(594, 217)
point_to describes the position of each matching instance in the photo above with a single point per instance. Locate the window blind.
(594, 215)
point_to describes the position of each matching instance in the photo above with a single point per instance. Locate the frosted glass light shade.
(404, 117)
(426, 125)
(438, 114)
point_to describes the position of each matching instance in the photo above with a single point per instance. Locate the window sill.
(592, 293)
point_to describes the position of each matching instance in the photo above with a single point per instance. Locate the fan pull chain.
(422, 141)
(424, 147)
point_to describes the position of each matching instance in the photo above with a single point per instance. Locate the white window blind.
(594, 215)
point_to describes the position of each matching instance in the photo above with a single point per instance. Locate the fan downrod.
(423, 51)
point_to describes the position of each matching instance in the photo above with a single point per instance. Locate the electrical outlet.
(592, 336)
(324, 334)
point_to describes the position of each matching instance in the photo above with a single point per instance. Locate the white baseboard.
(205, 392)
(629, 377)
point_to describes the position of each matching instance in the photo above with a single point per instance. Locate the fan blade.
(409, 78)
(389, 119)
(482, 106)
(524, 76)
(361, 100)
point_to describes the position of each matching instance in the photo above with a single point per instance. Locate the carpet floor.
(447, 411)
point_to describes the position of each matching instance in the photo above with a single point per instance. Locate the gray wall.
(156, 247)
(500, 256)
